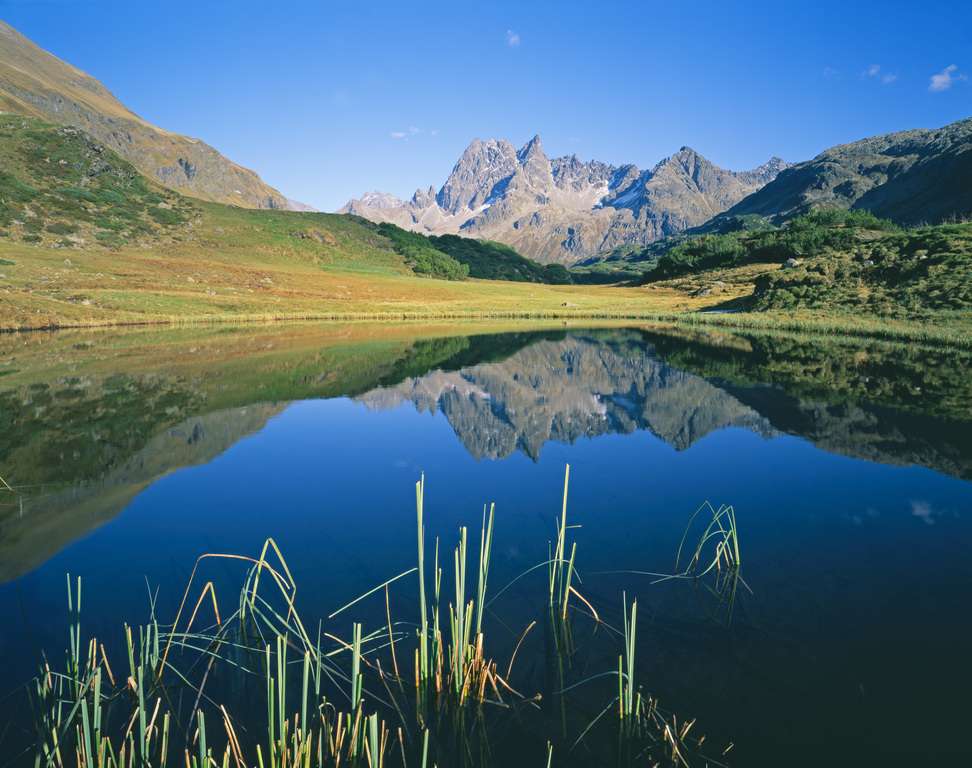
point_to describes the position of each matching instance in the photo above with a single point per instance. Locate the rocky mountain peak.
(686, 159)
(564, 209)
(765, 173)
(533, 148)
(535, 169)
(483, 165)
(424, 197)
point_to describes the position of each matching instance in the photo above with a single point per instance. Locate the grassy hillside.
(912, 177)
(60, 188)
(838, 261)
(35, 83)
(422, 256)
(86, 240)
(495, 261)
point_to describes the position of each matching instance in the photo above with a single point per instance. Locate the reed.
(328, 700)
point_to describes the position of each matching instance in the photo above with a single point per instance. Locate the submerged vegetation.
(257, 685)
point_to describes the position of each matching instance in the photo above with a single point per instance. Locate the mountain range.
(559, 210)
(565, 210)
(33, 82)
(911, 177)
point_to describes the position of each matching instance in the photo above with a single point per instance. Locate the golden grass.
(68, 288)
(239, 278)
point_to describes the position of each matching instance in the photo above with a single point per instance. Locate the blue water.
(851, 648)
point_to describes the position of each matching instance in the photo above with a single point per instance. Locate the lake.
(848, 464)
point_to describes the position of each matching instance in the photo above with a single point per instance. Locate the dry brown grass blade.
(509, 668)
(391, 638)
(584, 600)
(104, 659)
(185, 594)
(211, 589)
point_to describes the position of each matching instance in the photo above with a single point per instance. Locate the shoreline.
(870, 327)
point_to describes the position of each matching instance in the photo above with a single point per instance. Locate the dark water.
(848, 465)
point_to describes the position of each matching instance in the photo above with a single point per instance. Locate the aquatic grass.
(721, 529)
(166, 710)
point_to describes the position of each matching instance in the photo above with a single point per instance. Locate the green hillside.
(490, 260)
(837, 260)
(59, 187)
(913, 177)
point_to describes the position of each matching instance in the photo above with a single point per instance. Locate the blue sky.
(327, 100)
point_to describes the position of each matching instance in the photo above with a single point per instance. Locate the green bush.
(61, 228)
(489, 260)
(743, 242)
(421, 256)
(905, 273)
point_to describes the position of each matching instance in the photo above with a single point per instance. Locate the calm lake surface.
(848, 464)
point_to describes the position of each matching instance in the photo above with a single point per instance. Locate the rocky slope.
(563, 209)
(34, 82)
(912, 177)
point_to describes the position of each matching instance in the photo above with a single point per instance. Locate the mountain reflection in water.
(80, 445)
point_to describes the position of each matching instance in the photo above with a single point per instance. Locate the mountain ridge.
(562, 209)
(916, 176)
(36, 83)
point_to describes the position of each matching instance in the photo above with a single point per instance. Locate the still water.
(848, 465)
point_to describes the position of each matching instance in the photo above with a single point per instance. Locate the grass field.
(265, 274)
(241, 264)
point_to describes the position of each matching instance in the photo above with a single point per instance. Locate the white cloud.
(874, 72)
(411, 131)
(830, 73)
(512, 38)
(944, 80)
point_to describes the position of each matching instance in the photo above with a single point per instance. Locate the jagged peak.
(535, 141)
(686, 159)
(533, 147)
(424, 197)
(774, 163)
(477, 145)
(686, 154)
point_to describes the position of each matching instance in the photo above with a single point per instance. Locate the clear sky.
(327, 100)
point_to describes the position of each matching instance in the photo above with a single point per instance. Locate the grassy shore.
(229, 281)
